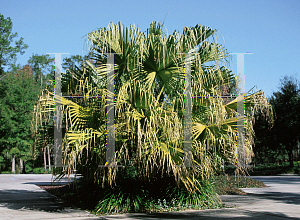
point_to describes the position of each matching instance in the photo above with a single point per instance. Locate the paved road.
(21, 199)
(280, 198)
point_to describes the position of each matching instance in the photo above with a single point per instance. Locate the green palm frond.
(149, 104)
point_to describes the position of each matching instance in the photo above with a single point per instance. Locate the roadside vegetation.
(158, 197)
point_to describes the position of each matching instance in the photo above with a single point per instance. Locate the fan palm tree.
(149, 105)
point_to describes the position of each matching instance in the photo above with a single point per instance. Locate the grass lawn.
(229, 185)
(87, 197)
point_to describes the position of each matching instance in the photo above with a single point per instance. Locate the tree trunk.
(49, 162)
(21, 166)
(45, 161)
(298, 158)
(13, 164)
(291, 158)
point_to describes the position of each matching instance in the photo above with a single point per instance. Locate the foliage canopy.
(8, 53)
(18, 95)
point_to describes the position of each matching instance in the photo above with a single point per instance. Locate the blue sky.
(268, 29)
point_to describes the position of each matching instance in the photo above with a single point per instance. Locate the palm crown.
(149, 105)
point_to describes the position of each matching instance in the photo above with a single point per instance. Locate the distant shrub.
(28, 167)
(6, 172)
(39, 170)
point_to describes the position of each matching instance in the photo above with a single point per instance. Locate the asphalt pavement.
(21, 198)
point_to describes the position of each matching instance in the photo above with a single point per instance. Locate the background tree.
(18, 94)
(286, 103)
(8, 52)
(264, 147)
(74, 62)
(42, 65)
(275, 143)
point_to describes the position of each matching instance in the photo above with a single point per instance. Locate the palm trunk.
(13, 164)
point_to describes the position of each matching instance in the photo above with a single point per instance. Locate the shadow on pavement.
(32, 200)
(205, 214)
(283, 197)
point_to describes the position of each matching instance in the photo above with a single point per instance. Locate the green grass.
(229, 185)
(159, 196)
(6, 172)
